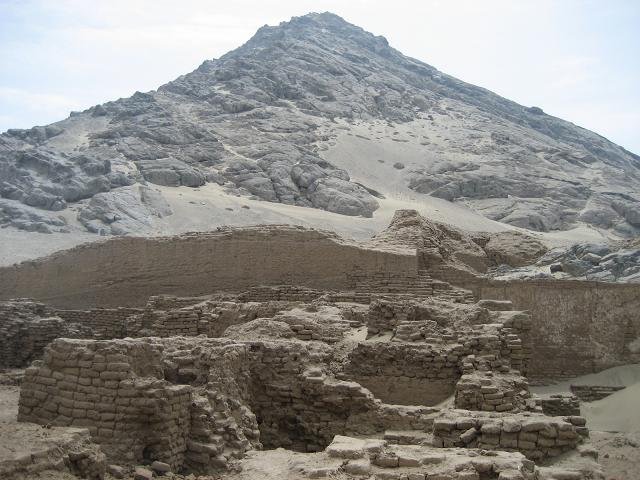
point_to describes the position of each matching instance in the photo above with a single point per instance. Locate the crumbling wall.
(68, 452)
(27, 327)
(178, 401)
(298, 407)
(559, 404)
(591, 393)
(534, 435)
(577, 327)
(115, 389)
(201, 402)
(126, 271)
(506, 392)
(404, 374)
(105, 323)
(426, 372)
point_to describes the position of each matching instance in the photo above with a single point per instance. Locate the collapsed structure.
(395, 359)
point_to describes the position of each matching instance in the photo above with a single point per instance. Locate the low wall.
(559, 404)
(534, 435)
(426, 374)
(577, 327)
(127, 271)
(105, 323)
(591, 393)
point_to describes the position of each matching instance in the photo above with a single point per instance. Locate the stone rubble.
(366, 380)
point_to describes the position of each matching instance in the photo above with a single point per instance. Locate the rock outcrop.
(260, 119)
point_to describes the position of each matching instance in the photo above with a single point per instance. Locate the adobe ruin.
(205, 354)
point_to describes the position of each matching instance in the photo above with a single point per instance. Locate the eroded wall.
(577, 327)
(126, 271)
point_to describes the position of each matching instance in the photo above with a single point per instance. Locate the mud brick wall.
(67, 451)
(116, 391)
(406, 374)
(390, 282)
(517, 342)
(507, 392)
(171, 302)
(590, 393)
(216, 317)
(27, 327)
(298, 406)
(577, 327)
(26, 307)
(288, 293)
(105, 323)
(385, 314)
(426, 374)
(222, 425)
(559, 404)
(23, 340)
(183, 322)
(126, 271)
(536, 436)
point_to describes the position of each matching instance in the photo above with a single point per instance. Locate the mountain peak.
(320, 28)
(317, 113)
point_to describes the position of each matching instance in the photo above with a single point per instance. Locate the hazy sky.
(576, 59)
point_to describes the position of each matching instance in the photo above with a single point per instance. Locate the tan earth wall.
(126, 271)
(577, 327)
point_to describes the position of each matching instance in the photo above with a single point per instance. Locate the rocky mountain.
(313, 113)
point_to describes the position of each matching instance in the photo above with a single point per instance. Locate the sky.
(576, 59)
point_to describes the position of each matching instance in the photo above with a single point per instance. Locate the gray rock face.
(601, 262)
(255, 119)
(127, 211)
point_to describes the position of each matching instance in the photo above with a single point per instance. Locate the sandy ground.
(619, 412)
(619, 454)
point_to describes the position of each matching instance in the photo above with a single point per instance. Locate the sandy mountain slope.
(314, 122)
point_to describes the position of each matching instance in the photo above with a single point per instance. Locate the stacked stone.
(421, 361)
(407, 373)
(348, 296)
(223, 426)
(559, 404)
(311, 329)
(591, 393)
(448, 360)
(447, 291)
(24, 333)
(392, 419)
(106, 323)
(217, 316)
(370, 458)
(171, 302)
(386, 314)
(65, 450)
(516, 343)
(96, 385)
(417, 331)
(303, 409)
(507, 392)
(288, 293)
(536, 436)
(221, 431)
(391, 283)
(183, 322)
(26, 307)
(23, 340)
(313, 411)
